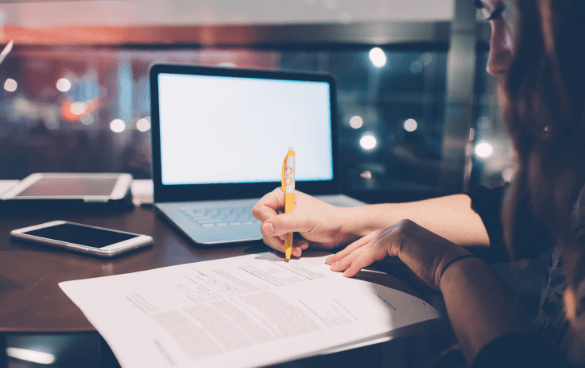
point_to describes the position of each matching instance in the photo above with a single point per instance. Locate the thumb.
(285, 223)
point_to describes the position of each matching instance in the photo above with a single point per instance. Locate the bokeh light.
(78, 108)
(410, 125)
(484, 150)
(368, 142)
(117, 125)
(356, 122)
(143, 124)
(63, 85)
(378, 57)
(30, 355)
(87, 119)
(366, 174)
(508, 174)
(10, 85)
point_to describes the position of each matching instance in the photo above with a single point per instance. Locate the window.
(87, 109)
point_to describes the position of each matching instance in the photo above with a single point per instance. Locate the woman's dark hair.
(545, 117)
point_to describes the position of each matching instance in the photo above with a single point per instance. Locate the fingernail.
(297, 252)
(268, 229)
(328, 260)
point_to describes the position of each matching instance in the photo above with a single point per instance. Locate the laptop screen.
(230, 130)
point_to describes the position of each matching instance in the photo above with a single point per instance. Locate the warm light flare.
(366, 175)
(78, 108)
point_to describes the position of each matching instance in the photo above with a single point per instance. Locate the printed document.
(245, 311)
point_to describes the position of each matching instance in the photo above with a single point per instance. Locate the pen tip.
(286, 260)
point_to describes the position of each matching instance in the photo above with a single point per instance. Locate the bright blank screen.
(238, 130)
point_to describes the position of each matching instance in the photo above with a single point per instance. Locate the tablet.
(68, 188)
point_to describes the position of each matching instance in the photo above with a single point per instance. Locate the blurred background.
(418, 113)
(418, 116)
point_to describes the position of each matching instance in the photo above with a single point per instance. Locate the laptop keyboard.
(222, 216)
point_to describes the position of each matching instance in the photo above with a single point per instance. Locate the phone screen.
(83, 235)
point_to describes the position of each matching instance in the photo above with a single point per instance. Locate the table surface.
(32, 302)
(29, 273)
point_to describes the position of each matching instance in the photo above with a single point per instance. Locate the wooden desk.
(30, 273)
(31, 300)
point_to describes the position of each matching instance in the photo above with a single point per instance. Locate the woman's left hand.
(424, 252)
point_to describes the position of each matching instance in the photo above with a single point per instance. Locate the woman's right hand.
(319, 224)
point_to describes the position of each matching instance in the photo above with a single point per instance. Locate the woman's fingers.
(344, 263)
(278, 245)
(274, 243)
(269, 205)
(373, 250)
(275, 223)
(350, 248)
(301, 243)
(370, 254)
(292, 222)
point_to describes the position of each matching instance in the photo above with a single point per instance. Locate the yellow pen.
(288, 187)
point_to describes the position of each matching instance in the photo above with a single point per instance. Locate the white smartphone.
(82, 238)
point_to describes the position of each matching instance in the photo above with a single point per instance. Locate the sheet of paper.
(244, 311)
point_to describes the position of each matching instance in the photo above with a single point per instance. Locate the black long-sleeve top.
(561, 340)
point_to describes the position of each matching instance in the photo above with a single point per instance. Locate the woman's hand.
(318, 223)
(424, 252)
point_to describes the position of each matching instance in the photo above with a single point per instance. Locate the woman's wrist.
(349, 221)
(454, 268)
(456, 259)
(362, 220)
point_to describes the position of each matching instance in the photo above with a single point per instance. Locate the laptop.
(219, 138)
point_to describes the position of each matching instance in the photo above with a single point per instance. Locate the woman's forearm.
(450, 217)
(480, 306)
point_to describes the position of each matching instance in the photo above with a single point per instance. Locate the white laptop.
(219, 138)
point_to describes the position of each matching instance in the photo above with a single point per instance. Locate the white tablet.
(71, 186)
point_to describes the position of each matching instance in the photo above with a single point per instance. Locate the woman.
(545, 117)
